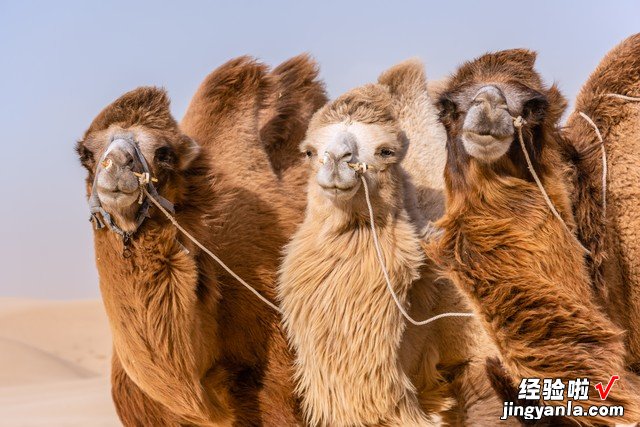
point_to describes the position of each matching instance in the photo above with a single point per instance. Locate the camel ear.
(85, 155)
(557, 104)
(189, 151)
(534, 109)
(407, 78)
(448, 110)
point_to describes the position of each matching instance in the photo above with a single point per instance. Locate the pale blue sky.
(63, 61)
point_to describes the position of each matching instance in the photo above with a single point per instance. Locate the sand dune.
(54, 364)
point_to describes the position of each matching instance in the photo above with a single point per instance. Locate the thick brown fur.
(524, 273)
(189, 337)
(614, 240)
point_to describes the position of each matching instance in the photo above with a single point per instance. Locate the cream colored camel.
(358, 364)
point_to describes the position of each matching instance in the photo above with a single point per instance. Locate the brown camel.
(522, 268)
(192, 345)
(464, 344)
(614, 240)
(357, 361)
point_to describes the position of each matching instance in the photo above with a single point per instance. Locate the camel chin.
(486, 148)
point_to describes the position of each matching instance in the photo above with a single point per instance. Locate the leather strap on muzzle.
(101, 217)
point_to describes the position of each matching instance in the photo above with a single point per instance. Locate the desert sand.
(54, 364)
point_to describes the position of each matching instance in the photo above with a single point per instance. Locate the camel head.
(133, 135)
(482, 100)
(358, 127)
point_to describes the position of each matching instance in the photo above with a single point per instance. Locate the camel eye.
(164, 155)
(386, 152)
(309, 153)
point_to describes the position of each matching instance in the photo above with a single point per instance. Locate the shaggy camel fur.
(523, 271)
(614, 241)
(464, 344)
(191, 344)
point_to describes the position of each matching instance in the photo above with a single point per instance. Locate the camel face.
(135, 130)
(357, 128)
(484, 97)
(333, 147)
(482, 116)
(122, 153)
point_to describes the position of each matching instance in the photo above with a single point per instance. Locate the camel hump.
(298, 93)
(407, 78)
(235, 90)
(145, 106)
(618, 73)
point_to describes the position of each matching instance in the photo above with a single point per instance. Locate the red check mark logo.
(604, 392)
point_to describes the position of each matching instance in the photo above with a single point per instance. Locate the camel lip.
(487, 138)
(116, 192)
(117, 197)
(339, 192)
(337, 188)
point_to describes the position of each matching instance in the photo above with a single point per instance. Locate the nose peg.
(106, 164)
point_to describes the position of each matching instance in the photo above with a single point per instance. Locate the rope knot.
(519, 122)
(359, 167)
(145, 178)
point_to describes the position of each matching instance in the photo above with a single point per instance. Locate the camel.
(615, 240)
(463, 342)
(191, 344)
(523, 268)
(357, 361)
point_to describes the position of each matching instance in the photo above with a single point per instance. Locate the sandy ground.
(54, 364)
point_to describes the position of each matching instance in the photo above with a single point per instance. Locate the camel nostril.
(346, 156)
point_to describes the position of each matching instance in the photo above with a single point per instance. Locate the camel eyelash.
(386, 152)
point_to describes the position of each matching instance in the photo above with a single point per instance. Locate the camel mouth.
(117, 198)
(487, 138)
(486, 147)
(339, 192)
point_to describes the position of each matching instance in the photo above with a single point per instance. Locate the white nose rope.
(604, 162)
(201, 246)
(364, 167)
(602, 147)
(518, 122)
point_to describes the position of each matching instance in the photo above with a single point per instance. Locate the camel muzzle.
(120, 162)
